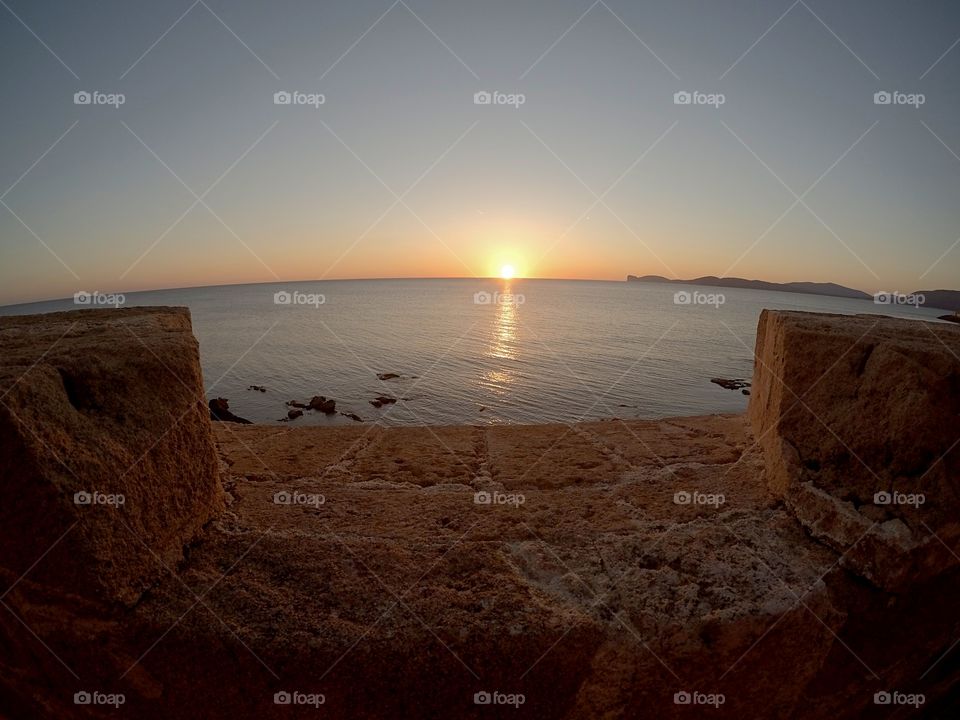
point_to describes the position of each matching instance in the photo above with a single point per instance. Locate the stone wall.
(107, 458)
(859, 418)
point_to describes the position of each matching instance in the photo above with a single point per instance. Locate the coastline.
(580, 570)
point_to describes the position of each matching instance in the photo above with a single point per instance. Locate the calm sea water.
(519, 352)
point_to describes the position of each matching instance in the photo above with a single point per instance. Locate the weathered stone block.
(859, 418)
(107, 447)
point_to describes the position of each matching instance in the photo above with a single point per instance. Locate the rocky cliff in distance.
(600, 570)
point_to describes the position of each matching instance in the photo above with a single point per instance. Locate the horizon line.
(439, 277)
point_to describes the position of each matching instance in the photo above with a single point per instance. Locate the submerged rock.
(382, 400)
(322, 404)
(565, 564)
(735, 384)
(220, 410)
(387, 376)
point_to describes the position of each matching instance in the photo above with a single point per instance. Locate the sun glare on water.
(507, 272)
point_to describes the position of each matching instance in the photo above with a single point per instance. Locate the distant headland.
(942, 299)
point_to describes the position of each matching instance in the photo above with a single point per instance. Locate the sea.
(479, 352)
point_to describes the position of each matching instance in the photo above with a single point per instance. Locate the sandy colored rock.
(858, 416)
(610, 568)
(106, 446)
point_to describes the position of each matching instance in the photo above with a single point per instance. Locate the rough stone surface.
(107, 404)
(849, 407)
(610, 566)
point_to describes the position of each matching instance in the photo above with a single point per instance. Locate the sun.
(507, 272)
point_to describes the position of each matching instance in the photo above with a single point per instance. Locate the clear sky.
(798, 175)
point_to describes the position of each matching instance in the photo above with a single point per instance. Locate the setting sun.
(507, 272)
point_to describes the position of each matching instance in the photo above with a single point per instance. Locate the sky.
(586, 164)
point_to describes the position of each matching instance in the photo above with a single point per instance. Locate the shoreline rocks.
(382, 400)
(735, 384)
(570, 565)
(220, 411)
(323, 404)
